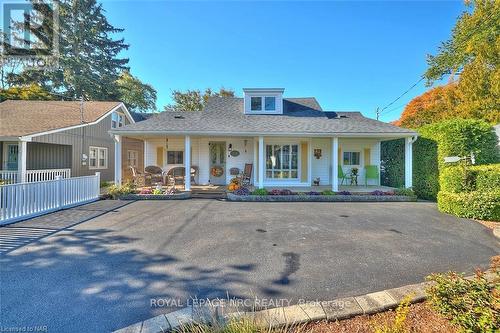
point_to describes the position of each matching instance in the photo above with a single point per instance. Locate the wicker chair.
(246, 176)
(138, 178)
(155, 173)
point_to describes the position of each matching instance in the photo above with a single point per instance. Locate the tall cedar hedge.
(470, 191)
(456, 137)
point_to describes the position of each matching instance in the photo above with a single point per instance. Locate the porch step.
(208, 195)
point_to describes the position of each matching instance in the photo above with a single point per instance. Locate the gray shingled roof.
(224, 116)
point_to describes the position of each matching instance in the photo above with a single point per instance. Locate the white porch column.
(21, 161)
(261, 162)
(255, 161)
(408, 162)
(187, 163)
(335, 164)
(118, 159)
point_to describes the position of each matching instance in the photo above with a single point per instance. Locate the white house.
(289, 141)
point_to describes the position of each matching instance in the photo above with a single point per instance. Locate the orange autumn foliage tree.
(437, 104)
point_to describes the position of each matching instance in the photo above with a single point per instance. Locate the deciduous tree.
(194, 100)
(473, 52)
(136, 95)
(30, 92)
(437, 104)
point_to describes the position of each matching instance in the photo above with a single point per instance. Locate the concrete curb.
(496, 232)
(342, 308)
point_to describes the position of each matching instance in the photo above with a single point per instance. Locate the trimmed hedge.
(474, 178)
(456, 137)
(392, 163)
(477, 204)
(487, 177)
(425, 165)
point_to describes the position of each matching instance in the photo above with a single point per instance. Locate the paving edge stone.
(342, 308)
(496, 232)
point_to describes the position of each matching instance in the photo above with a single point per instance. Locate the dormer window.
(256, 103)
(270, 103)
(263, 101)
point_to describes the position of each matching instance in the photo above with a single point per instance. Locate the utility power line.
(404, 93)
(380, 111)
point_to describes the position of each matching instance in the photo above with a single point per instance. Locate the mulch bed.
(421, 319)
(489, 224)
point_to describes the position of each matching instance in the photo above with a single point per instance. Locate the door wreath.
(216, 171)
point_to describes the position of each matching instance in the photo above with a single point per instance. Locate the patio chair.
(343, 176)
(155, 173)
(194, 173)
(371, 173)
(138, 178)
(174, 176)
(246, 176)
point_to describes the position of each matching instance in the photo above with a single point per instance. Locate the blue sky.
(354, 55)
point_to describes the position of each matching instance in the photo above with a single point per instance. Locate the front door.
(217, 163)
(12, 150)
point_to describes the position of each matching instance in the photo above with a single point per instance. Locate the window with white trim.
(263, 103)
(175, 157)
(132, 158)
(282, 161)
(98, 158)
(351, 158)
(117, 120)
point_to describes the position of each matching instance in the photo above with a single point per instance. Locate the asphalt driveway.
(101, 266)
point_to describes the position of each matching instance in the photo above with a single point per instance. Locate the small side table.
(354, 179)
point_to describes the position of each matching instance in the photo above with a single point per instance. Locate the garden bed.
(176, 196)
(321, 198)
(421, 318)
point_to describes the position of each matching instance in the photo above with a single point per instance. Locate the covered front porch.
(24, 161)
(346, 163)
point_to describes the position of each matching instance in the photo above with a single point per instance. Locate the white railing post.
(21, 161)
(98, 176)
(58, 186)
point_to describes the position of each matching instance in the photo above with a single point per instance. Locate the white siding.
(322, 167)
(359, 145)
(200, 153)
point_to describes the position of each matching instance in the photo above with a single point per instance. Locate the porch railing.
(26, 200)
(8, 177)
(48, 174)
(12, 177)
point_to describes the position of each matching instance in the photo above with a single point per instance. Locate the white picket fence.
(12, 177)
(26, 200)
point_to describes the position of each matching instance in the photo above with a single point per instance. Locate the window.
(117, 120)
(256, 103)
(270, 103)
(132, 158)
(351, 157)
(282, 161)
(175, 157)
(98, 158)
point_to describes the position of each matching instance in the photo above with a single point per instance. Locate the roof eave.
(279, 134)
